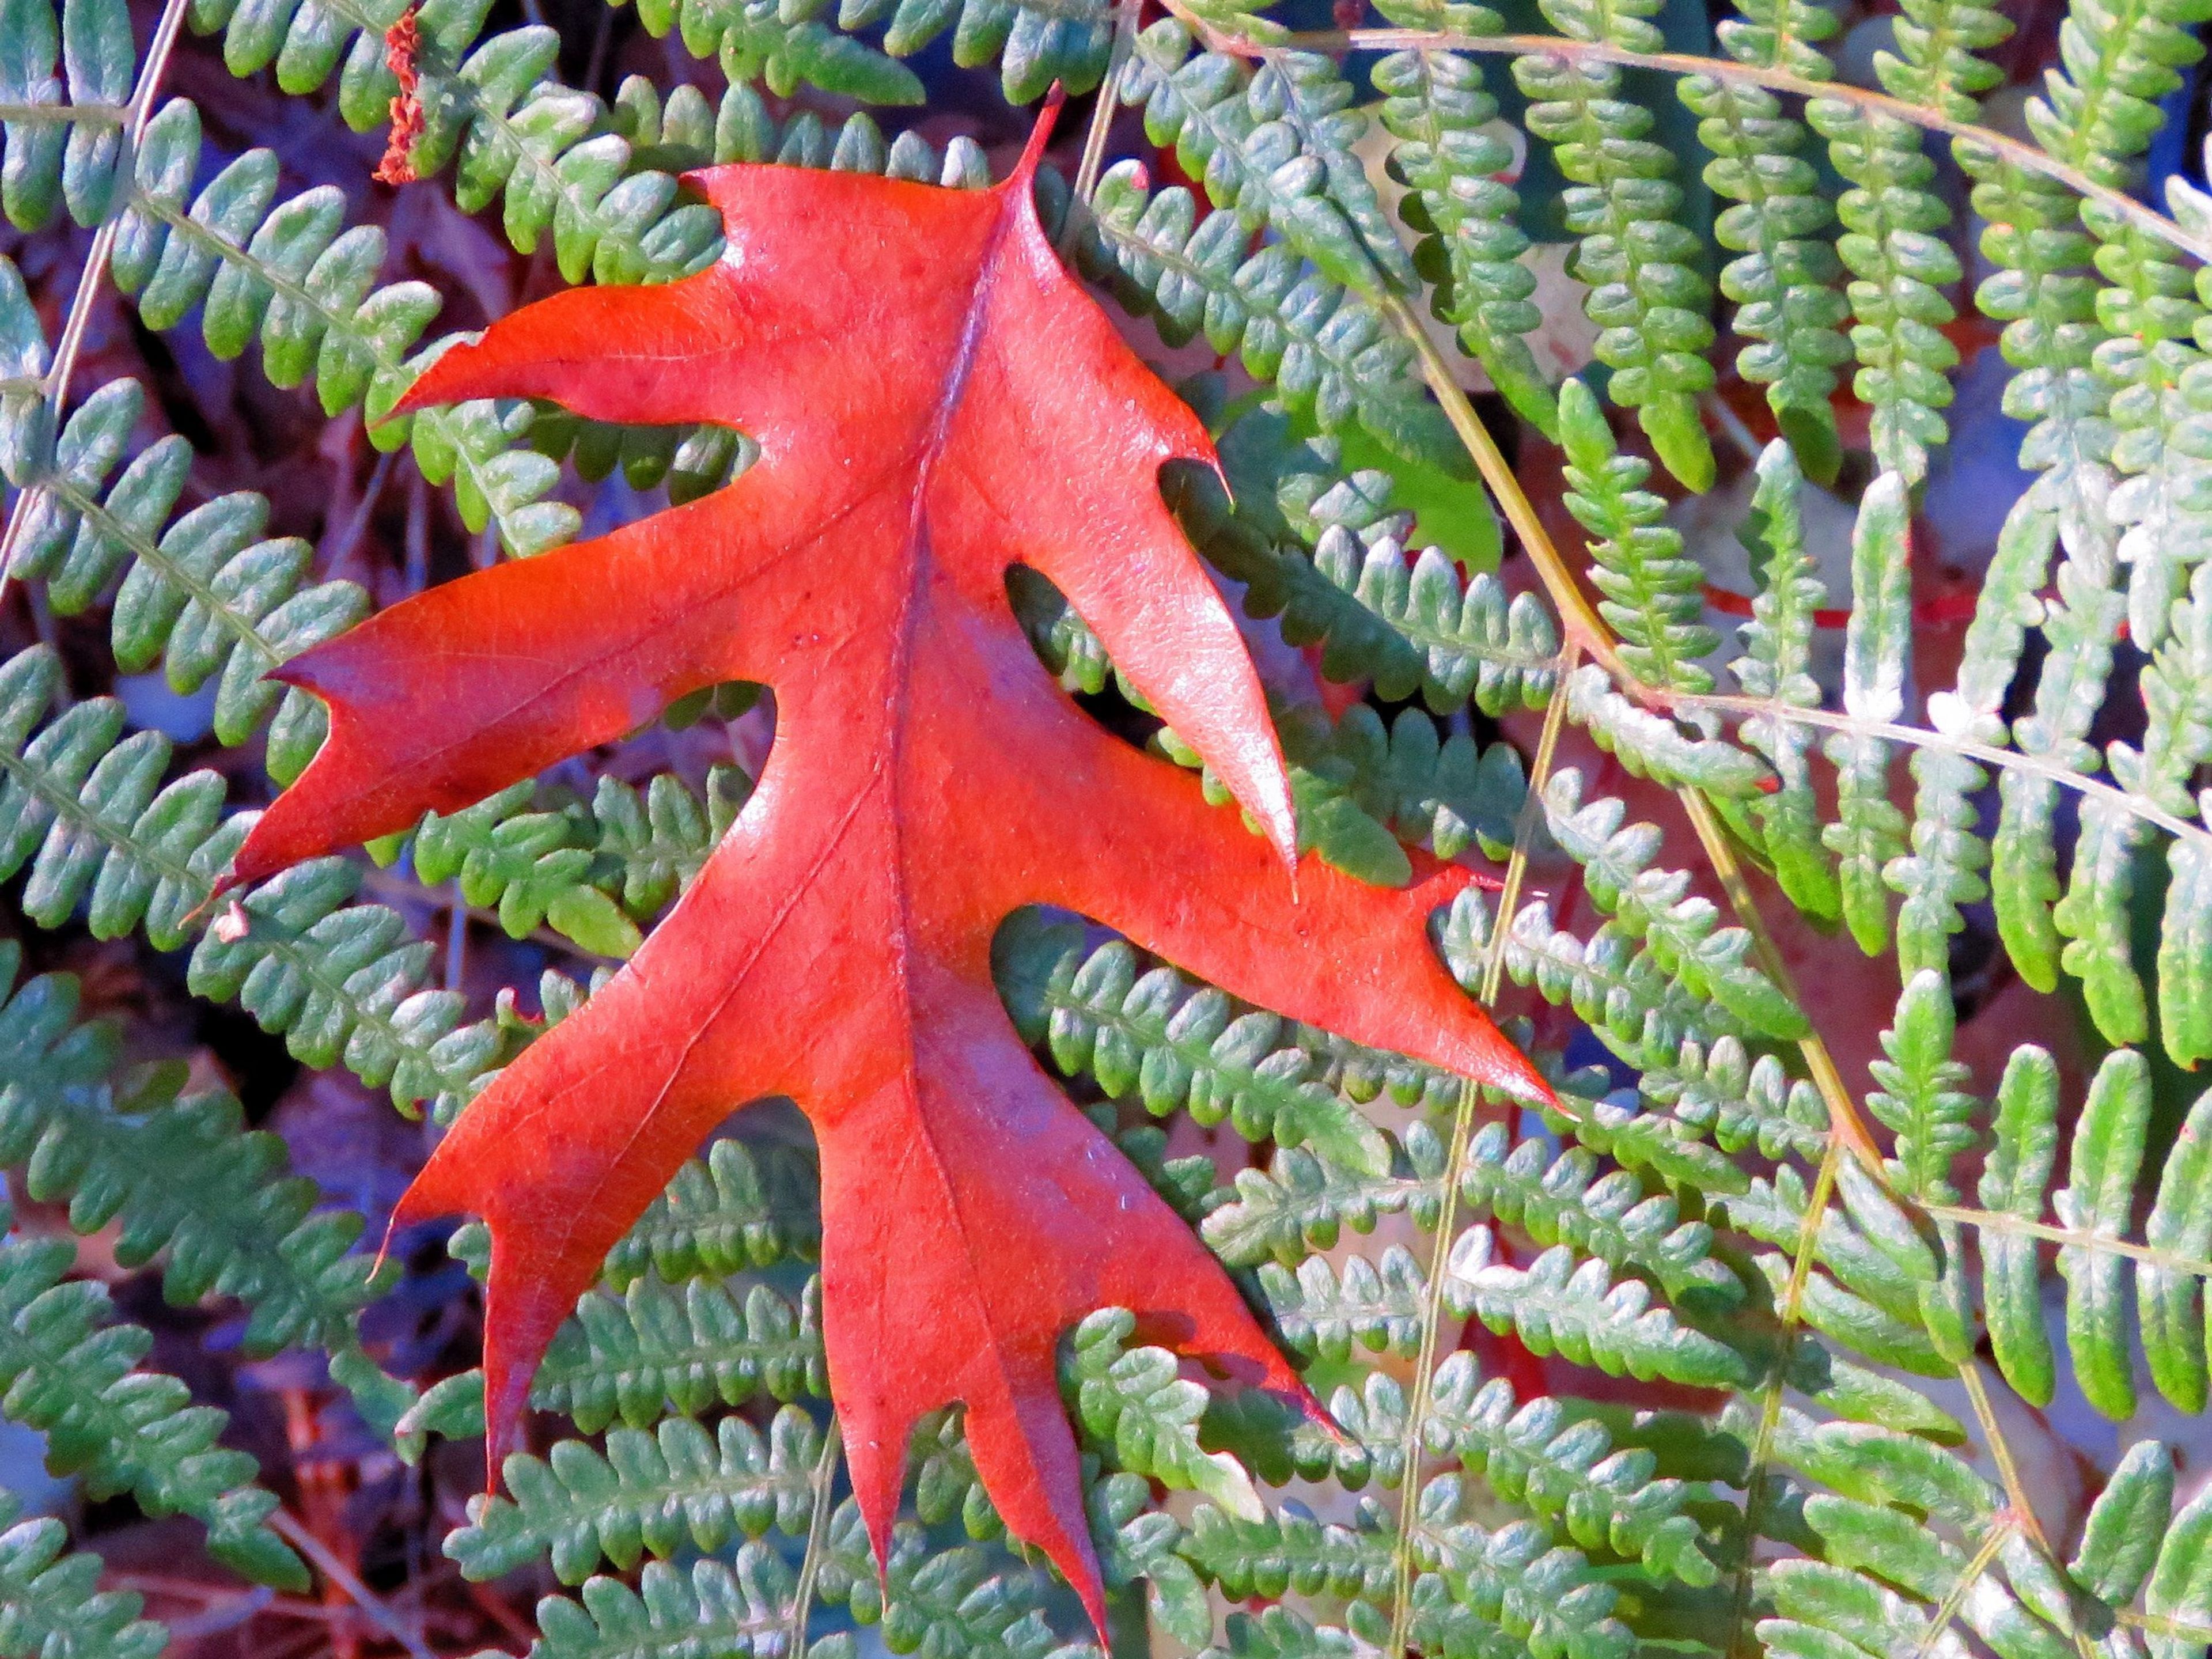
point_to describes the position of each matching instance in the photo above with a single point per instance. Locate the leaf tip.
(1040, 135)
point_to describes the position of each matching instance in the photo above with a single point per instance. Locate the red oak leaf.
(935, 400)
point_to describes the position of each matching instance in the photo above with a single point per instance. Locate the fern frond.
(1435, 106)
(2097, 1199)
(2045, 295)
(1918, 1095)
(1783, 282)
(1741, 1100)
(518, 136)
(2024, 1142)
(1566, 1471)
(2149, 311)
(1447, 794)
(2133, 1538)
(783, 47)
(1653, 597)
(2078, 630)
(1274, 145)
(647, 1494)
(1869, 831)
(1784, 34)
(1131, 1402)
(1944, 870)
(1681, 931)
(656, 1349)
(1277, 1632)
(1321, 1313)
(179, 1173)
(1178, 1046)
(1427, 628)
(1609, 979)
(2177, 695)
(1035, 44)
(952, 1602)
(206, 596)
(1654, 746)
(591, 872)
(1868, 1298)
(1559, 1303)
(1319, 341)
(50, 1601)
(1432, 630)
(64, 153)
(740, 1208)
(1286, 1551)
(71, 1374)
(1936, 64)
(719, 1608)
(1301, 1203)
(1362, 789)
(1900, 266)
(1647, 295)
(1776, 664)
(1509, 1591)
(1892, 1545)
(2100, 112)
(1565, 1201)
(338, 980)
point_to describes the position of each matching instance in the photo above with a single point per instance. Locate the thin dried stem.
(2016, 1495)
(285, 1526)
(94, 277)
(1417, 1408)
(1770, 1412)
(1101, 112)
(825, 1481)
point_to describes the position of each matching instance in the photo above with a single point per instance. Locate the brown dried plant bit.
(401, 43)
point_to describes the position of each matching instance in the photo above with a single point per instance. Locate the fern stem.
(2024, 155)
(1922, 738)
(1417, 1409)
(818, 1539)
(2157, 1625)
(2023, 1510)
(1770, 1410)
(1517, 867)
(1969, 1576)
(64, 115)
(2074, 1238)
(94, 277)
(1582, 623)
